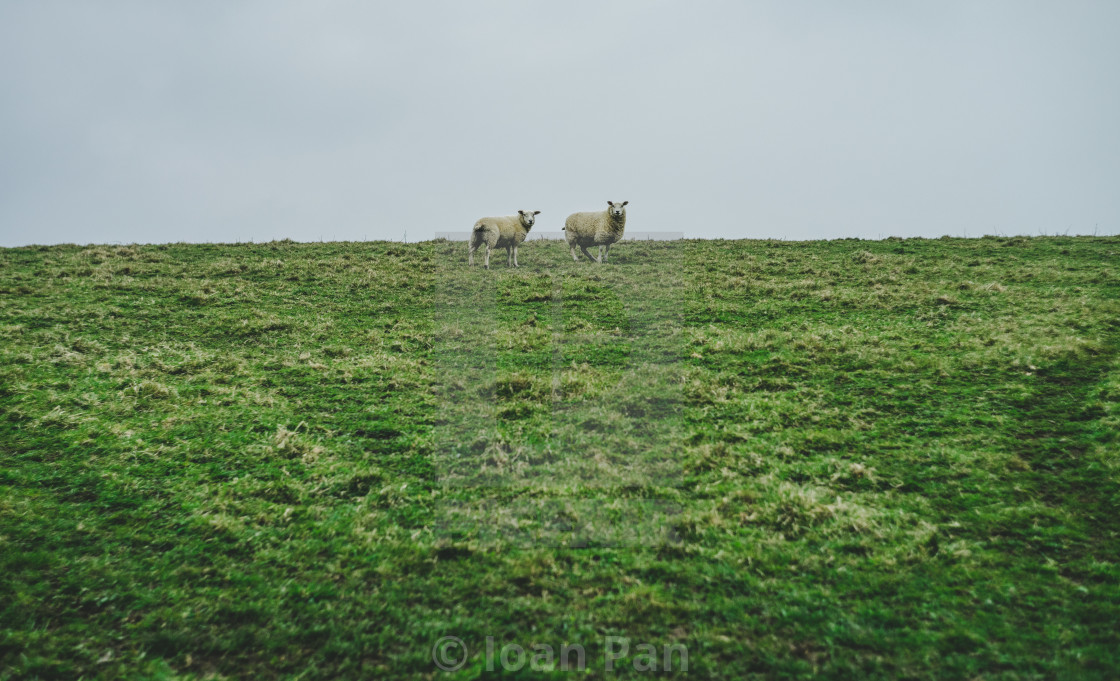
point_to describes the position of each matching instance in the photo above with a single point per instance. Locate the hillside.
(846, 459)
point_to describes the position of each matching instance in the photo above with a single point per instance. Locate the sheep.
(505, 232)
(595, 229)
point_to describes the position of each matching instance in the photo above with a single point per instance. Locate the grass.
(846, 459)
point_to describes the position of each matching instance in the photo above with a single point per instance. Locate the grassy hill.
(846, 459)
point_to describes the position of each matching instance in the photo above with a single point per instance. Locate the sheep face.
(528, 218)
(617, 210)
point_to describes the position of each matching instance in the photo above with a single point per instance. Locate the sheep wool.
(601, 228)
(505, 232)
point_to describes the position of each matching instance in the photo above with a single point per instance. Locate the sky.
(241, 120)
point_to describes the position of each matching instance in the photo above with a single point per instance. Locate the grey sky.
(235, 121)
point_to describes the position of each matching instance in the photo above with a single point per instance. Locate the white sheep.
(601, 228)
(506, 232)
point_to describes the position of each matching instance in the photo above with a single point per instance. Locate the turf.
(846, 459)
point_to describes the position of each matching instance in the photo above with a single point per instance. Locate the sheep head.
(528, 217)
(617, 210)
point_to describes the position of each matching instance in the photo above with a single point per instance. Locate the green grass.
(846, 459)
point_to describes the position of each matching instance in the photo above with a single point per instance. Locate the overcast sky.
(224, 121)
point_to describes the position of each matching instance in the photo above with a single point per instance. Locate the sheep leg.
(488, 249)
(573, 249)
(589, 256)
(515, 256)
(509, 256)
(607, 254)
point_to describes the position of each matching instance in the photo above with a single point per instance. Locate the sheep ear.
(520, 212)
(610, 203)
(536, 212)
(625, 202)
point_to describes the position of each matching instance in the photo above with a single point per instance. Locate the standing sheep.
(600, 229)
(505, 232)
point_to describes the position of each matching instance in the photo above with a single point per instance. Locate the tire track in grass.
(1058, 428)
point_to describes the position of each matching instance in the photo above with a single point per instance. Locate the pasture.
(846, 459)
